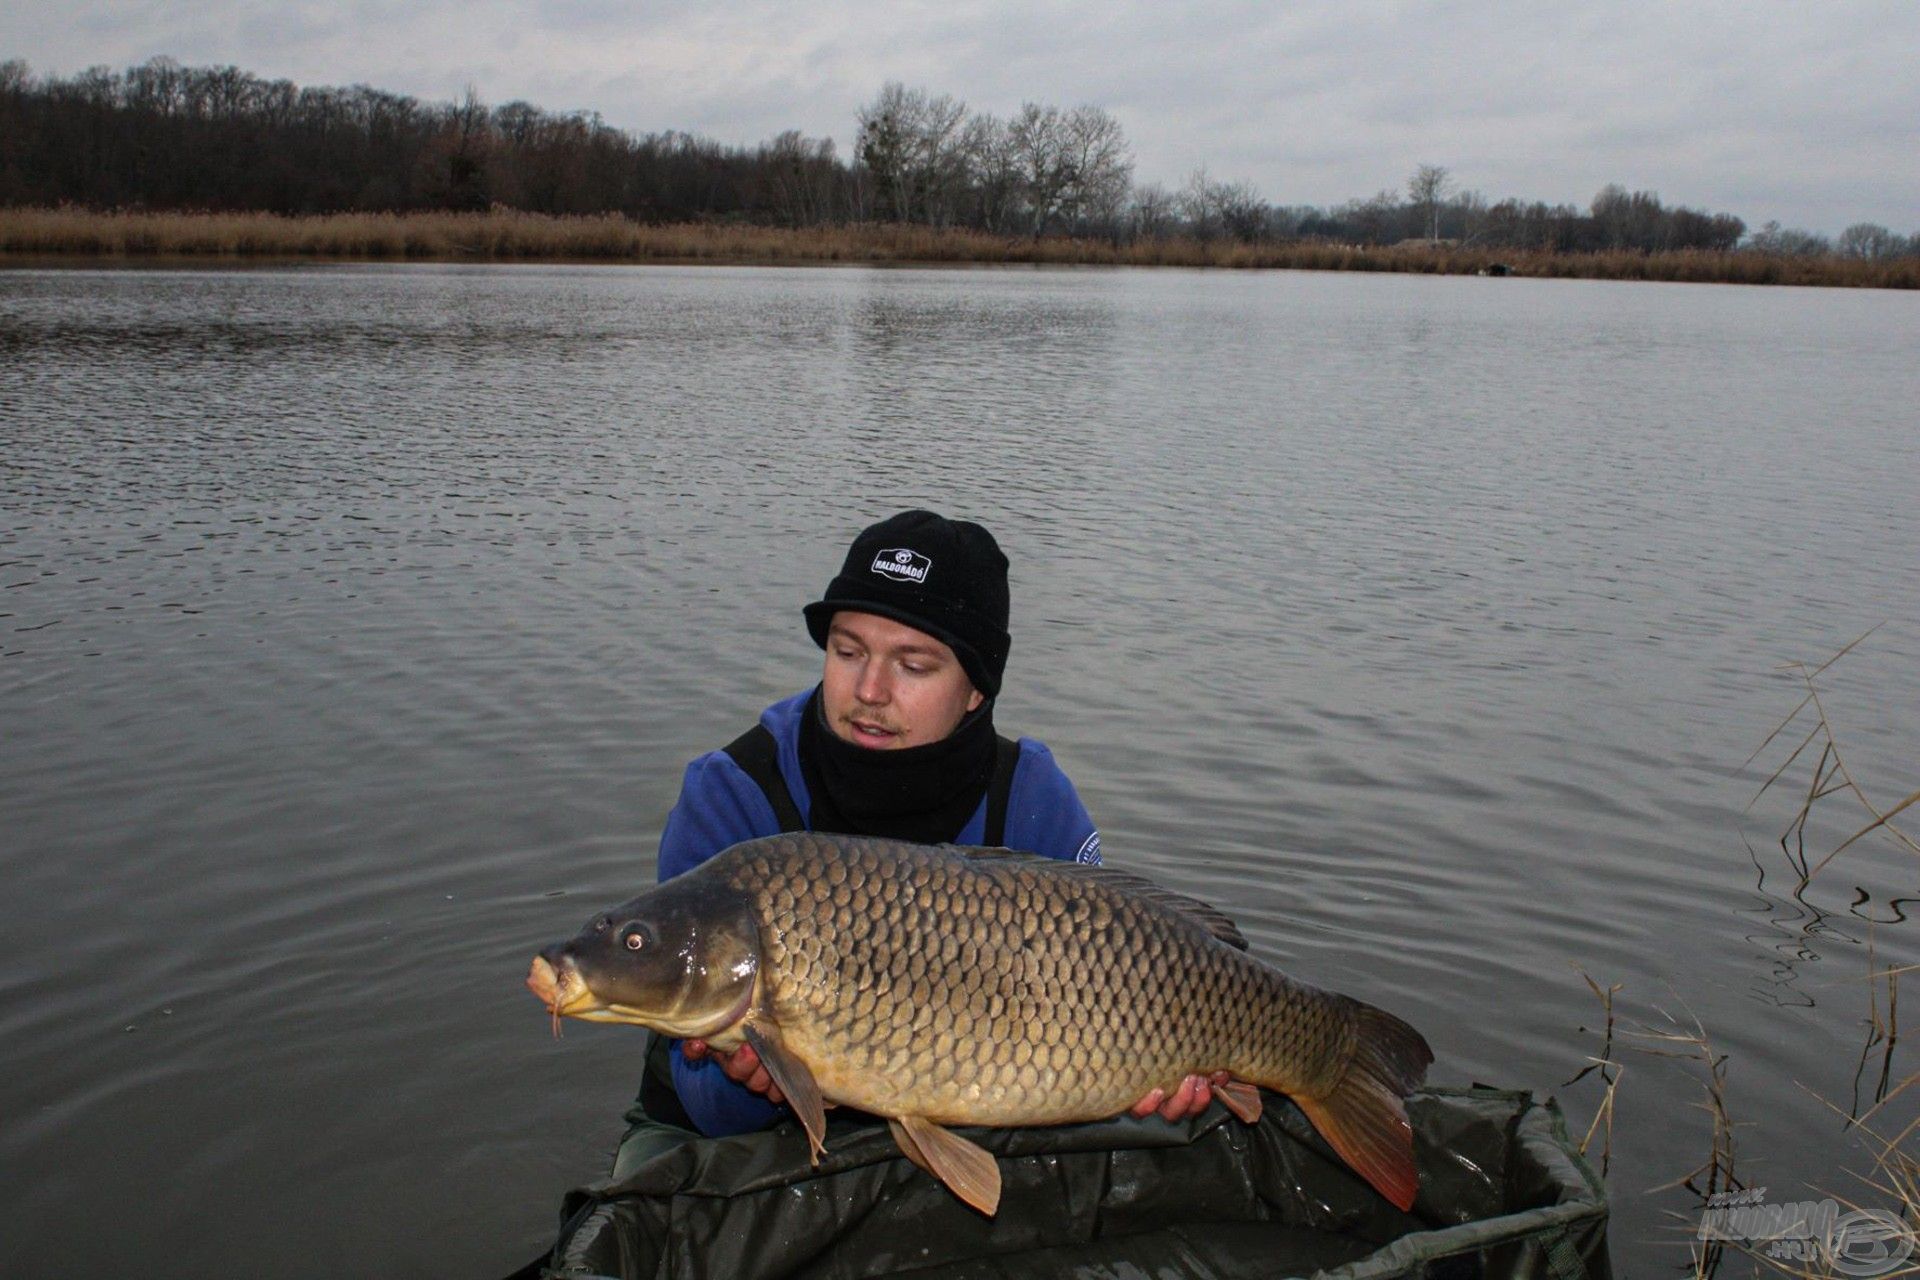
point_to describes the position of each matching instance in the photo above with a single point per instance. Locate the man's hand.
(742, 1066)
(1186, 1102)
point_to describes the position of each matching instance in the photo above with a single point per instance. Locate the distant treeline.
(164, 137)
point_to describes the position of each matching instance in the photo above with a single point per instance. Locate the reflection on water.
(355, 625)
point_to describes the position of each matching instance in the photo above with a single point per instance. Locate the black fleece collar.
(924, 794)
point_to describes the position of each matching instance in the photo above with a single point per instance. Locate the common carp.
(944, 985)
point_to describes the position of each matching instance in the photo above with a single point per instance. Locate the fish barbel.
(944, 985)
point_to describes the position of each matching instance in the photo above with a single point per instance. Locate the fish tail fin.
(1363, 1117)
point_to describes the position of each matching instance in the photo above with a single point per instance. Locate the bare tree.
(1199, 206)
(1472, 208)
(1612, 210)
(155, 87)
(1073, 165)
(884, 148)
(1037, 137)
(1101, 164)
(909, 141)
(799, 173)
(1869, 240)
(993, 173)
(1791, 242)
(1154, 211)
(1243, 210)
(1377, 220)
(1214, 208)
(1428, 188)
(517, 122)
(465, 138)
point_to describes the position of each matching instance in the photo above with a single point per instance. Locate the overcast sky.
(1808, 113)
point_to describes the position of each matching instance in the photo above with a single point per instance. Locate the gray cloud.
(1807, 114)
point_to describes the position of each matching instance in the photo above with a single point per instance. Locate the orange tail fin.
(1363, 1117)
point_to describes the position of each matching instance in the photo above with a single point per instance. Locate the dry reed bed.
(507, 235)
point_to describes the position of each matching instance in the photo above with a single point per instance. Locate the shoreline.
(54, 236)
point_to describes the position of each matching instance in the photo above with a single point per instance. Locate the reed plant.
(1610, 1070)
(1891, 1182)
(503, 234)
(1830, 775)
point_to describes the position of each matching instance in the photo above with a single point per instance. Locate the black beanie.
(944, 577)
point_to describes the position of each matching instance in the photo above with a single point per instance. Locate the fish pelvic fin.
(1241, 1098)
(908, 1146)
(969, 1171)
(1363, 1117)
(796, 1081)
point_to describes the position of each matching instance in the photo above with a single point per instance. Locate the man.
(897, 740)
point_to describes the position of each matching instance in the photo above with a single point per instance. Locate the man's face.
(888, 685)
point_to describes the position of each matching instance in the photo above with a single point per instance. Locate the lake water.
(356, 622)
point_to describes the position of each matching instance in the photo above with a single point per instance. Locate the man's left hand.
(742, 1066)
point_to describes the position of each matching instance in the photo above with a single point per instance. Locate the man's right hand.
(1184, 1103)
(742, 1066)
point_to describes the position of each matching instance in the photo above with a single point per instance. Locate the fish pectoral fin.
(1241, 1098)
(796, 1081)
(969, 1170)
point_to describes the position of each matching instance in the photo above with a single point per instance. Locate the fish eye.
(633, 938)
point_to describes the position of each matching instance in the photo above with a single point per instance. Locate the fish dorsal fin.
(1207, 916)
(791, 1074)
(968, 1170)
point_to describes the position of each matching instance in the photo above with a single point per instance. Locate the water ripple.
(356, 623)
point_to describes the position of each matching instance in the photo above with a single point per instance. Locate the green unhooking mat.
(1503, 1195)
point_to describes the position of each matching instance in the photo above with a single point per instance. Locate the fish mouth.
(560, 989)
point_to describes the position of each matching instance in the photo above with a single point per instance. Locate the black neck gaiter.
(924, 794)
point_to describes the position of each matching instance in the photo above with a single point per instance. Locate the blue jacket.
(719, 806)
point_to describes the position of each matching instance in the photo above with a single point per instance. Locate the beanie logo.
(902, 565)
